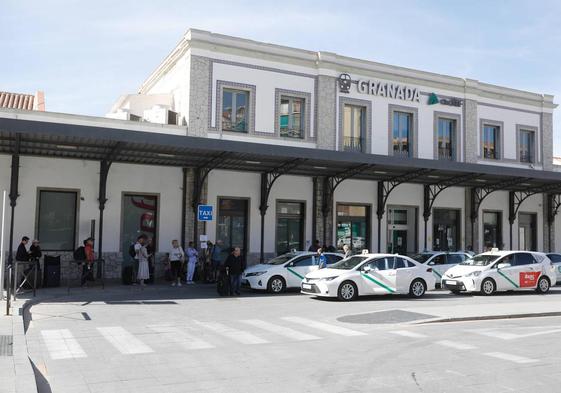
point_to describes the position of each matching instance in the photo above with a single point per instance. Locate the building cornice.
(334, 64)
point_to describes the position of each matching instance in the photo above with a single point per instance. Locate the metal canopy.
(63, 140)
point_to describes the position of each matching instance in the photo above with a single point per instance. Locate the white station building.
(286, 146)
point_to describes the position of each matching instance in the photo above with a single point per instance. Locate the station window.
(290, 226)
(446, 139)
(490, 142)
(526, 146)
(354, 122)
(291, 117)
(56, 224)
(235, 109)
(401, 134)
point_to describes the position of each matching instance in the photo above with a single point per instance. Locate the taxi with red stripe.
(370, 274)
(499, 271)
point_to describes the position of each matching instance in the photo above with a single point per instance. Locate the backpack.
(132, 251)
(80, 254)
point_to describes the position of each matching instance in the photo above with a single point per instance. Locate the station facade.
(227, 89)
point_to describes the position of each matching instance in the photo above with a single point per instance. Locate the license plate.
(450, 282)
(306, 286)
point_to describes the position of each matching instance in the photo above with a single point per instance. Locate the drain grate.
(389, 316)
(6, 345)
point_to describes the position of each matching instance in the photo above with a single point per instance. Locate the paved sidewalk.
(16, 372)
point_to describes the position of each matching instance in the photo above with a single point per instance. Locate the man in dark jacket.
(22, 254)
(315, 246)
(236, 266)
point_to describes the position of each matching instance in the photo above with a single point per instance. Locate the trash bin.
(51, 270)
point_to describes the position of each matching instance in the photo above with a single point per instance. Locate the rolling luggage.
(127, 276)
(223, 283)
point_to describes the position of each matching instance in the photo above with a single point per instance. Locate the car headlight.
(473, 274)
(253, 274)
(328, 278)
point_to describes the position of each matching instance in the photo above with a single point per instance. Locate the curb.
(491, 317)
(24, 374)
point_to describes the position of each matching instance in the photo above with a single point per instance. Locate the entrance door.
(139, 216)
(492, 230)
(402, 230)
(290, 227)
(446, 229)
(352, 226)
(527, 231)
(232, 224)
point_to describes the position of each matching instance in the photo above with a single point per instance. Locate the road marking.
(233, 334)
(513, 336)
(407, 333)
(124, 341)
(281, 330)
(510, 358)
(455, 345)
(175, 335)
(342, 331)
(62, 344)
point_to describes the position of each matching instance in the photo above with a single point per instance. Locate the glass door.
(352, 227)
(140, 216)
(290, 227)
(232, 224)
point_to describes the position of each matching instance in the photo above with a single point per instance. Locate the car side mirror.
(503, 265)
(431, 263)
(366, 269)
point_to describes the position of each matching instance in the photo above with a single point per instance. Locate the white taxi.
(495, 271)
(440, 261)
(285, 271)
(370, 274)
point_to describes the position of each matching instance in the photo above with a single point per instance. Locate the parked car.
(556, 261)
(370, 274)
(440, 261)
(285, 271)
(496, 271)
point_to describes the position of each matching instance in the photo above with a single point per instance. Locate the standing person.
(216, 259)
(151, 250)
(176, 260)
(88, 263)
(208, 262)
(347, 250)
(142, 256)
(192, 255)
(22, 254)
(315, 246)
(322, 259)
(235, 265)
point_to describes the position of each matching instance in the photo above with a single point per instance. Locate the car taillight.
(429, 270)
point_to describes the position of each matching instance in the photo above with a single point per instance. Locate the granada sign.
(380, 88)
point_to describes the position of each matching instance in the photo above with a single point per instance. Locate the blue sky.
(84, 54)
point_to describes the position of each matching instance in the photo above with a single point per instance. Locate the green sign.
(433, 99)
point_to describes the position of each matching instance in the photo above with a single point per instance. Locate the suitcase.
(51, 271)
(223, 283)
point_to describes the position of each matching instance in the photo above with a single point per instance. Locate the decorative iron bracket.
(515, 198)
(554, 203)
(431, 191)
(201, 173)
(478, 194)
(330, 184)
(387, 186)
(269, 178)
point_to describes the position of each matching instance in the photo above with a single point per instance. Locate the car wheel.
(417, 288)
(488, 287)
(347, 291)
(276, 285)
(543, 285)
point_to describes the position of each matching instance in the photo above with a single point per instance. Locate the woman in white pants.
(192, 255)
(142, 254)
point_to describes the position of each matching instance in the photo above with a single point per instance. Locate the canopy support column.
(14, 194)
(553, 205)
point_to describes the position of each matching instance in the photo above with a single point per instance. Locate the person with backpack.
(89, 258)
(176, 260)
(192, 255)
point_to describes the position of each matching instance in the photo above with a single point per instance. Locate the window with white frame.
(490, 140)
(235, 110)
(401, 134)
(354, 122)
(446, 139)
(56, 220)
(291, 117)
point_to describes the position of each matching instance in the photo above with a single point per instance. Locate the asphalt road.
(187, 340)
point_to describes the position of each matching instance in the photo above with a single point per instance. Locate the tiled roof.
(16, 100)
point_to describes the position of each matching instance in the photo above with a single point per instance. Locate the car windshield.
(348, 263)
(281, 259)
(422, 258)
(480, 260)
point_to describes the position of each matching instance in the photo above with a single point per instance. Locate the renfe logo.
(529, 279)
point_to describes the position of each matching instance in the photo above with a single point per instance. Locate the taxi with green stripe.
(286, 270)
(440, 261)
(370, 274)
(499, 271)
